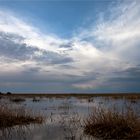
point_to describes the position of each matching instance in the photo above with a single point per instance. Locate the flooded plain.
(64, 116)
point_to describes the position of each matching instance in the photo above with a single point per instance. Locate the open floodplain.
(69, 116)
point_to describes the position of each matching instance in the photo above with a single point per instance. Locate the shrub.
(17, 100)
(9, 93)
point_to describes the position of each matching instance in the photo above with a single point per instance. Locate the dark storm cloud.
(128, 75)
(127, 80)
(11, 47)
(36, 74)
(33, 80)
(53, 58)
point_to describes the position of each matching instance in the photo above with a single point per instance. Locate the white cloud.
(116, 40)
(97, 52)
(32, 36)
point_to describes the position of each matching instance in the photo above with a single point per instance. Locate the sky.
(63, 46)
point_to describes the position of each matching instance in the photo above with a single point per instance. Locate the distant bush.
(17, 100)
(9, 93)
(36, 99)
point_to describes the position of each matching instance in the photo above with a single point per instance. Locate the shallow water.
(64, 117)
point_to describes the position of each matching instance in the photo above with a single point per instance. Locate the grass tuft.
(10, 117)
(111, 124)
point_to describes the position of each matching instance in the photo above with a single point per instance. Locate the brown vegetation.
(111, 124)
(17, 100)
(10, 117)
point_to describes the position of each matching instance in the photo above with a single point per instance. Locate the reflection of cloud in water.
(64, 117)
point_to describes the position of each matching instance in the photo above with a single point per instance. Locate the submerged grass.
(111, 124)
(10, 117)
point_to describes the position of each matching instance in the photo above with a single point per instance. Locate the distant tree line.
(8, 93)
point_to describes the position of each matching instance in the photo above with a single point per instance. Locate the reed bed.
(10, 116)
(112, 124)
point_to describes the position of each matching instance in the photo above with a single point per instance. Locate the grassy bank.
(110, 124)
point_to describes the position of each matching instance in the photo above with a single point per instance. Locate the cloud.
(104, 56)
(10, 48)
(116, 40)
(32, 36)
(118, 36)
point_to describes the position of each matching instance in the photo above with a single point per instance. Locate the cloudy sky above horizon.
(70, 46)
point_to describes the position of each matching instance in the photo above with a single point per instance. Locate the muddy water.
(64, 117)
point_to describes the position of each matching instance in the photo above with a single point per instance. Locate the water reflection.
(64, 118)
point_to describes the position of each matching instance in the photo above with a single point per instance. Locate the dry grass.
(111, 124)
(10, 117)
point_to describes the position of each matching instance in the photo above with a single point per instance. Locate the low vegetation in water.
(36, 99)
(10, 117)
(111, 124)
(17, 100)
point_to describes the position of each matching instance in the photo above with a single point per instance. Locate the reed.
(10, 116)
(111, 124)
